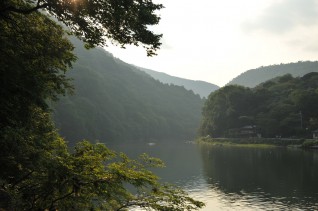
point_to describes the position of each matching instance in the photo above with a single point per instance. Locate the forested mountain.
(112, 102)
(254, 77)
(284, 107)
(199, 87)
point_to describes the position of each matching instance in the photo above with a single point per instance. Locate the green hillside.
(252, 78)
(283, 107)
(199, 87)
(112, 102)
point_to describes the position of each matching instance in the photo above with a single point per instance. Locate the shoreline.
(260, 142)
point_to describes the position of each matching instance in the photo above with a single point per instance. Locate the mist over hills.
(115, 102)
(199, 87)
(254, 77)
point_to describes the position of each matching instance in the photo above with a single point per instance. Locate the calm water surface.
(232, 178)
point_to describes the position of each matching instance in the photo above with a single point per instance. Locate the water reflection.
(238, 178)
(275, 177)
(183, 161)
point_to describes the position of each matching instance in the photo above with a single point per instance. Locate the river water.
(238, 178)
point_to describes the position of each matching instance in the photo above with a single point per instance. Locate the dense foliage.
(283, 107)
(98, 22)
(38, 171)
(254, 77)
(114, 102)
(31, 70)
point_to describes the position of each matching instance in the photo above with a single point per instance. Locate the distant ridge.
(198, 87)
(116, 102)
(254, 77)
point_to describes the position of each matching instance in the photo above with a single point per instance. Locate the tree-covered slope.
(113, 103)
(252, 78)
(199, 87)
(284, 107)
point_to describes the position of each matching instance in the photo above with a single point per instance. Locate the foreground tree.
(38, 172)
(98, 22)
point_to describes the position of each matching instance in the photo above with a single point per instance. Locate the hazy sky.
(215, 41)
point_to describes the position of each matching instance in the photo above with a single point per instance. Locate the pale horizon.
(215, 41)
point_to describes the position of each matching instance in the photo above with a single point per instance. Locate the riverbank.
(260, 142)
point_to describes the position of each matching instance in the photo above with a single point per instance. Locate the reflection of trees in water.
(285, 174)
(182, 160)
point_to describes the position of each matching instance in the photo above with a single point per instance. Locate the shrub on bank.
(310, 143)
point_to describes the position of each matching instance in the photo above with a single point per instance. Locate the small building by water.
(315, 134)
(248, 131)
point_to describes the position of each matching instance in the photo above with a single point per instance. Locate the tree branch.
(24, 10)
(21, 179)
(133, 203)
(60, 198)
